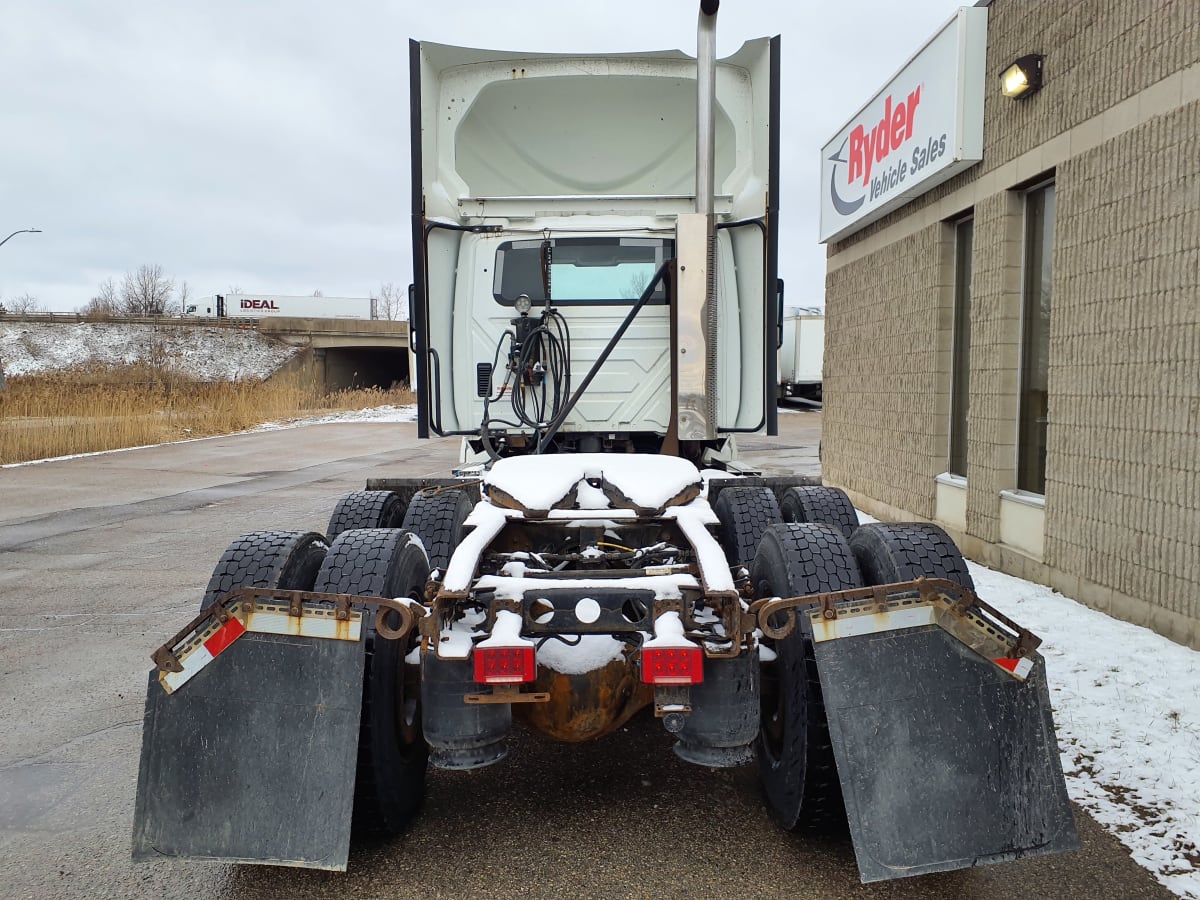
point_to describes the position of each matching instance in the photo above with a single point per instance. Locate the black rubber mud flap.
(253, 759)
(945, 759)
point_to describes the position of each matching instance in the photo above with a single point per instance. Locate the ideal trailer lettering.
(602, 554)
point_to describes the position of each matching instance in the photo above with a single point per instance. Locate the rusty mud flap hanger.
(941, 726)
(252, 759)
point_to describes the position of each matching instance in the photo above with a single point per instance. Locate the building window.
(1035, 339)
(960, 363)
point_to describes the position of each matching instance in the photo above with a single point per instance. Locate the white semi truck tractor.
(594, 315)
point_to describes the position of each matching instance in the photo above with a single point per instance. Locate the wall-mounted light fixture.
(1022, 78)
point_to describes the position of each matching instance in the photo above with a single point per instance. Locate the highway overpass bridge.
(340, 353)
(346, 352)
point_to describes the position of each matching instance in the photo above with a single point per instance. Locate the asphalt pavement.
(103, 558)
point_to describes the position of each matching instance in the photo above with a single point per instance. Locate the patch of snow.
(386, 413)
(714, 566)
(206, 353)
(506, 632)
(587, 610)
(486, 522)
(665, 587)
(538, 482)
(1125, 706)
(458, 639)
(594, 651)
(668, 633)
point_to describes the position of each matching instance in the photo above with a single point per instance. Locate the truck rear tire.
(268, 559)
(366, 509)
(888, 553)
(437, 517)
(795, 756)
(392, 753)
(826, 505)
(745, 513)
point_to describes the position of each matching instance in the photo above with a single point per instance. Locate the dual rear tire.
(387, 562)
(796, 760)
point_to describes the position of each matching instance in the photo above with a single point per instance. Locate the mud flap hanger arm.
(958, 599)
(223, 610)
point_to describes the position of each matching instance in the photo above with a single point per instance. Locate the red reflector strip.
(672, 665)
(504, 665)
(225, 635)
(1019, 667)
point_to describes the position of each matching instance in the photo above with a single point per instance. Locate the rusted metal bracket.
(248, 599)
(961, 602)
(508, 693)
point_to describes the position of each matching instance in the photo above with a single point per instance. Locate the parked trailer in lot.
(601, 554)
(262, 306)
(802, 354)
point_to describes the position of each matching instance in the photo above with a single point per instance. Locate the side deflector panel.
(253, 759)
(945, 760)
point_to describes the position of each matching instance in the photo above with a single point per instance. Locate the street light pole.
(20, 231)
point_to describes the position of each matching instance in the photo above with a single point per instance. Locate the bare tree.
(318, 293)
(105, 302)
(24, 305)
(391, 303)
(185, 297)
(146, 292)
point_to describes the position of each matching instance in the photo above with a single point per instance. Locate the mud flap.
(253, 759)
(946, 760)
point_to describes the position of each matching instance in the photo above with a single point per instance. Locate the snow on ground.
(1127, 707)
(369, 414)
(207, 353)
(1127, 710)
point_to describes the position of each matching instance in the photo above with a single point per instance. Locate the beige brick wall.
(1123, 461)
(885, 420)
(1117, 124)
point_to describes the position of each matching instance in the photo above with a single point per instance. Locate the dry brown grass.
(85, 410)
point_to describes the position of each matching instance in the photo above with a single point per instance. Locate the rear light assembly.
(505, 665)
(672, 665)
(505, 657)
(669, 658)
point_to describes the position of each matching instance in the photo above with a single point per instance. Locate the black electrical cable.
(536, 400)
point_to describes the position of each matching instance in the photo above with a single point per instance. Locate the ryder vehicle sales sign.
(923, 127)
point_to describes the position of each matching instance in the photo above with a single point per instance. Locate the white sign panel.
(924, 126)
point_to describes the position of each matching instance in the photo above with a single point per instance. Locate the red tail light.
(672, 665)
(504, 665)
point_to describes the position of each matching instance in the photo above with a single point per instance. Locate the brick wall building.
(1015, 354)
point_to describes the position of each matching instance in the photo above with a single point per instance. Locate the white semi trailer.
(264, 306)
(802, 354)
(594, 312)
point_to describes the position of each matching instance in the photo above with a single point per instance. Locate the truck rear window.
(583, 271)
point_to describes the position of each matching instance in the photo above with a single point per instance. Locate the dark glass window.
(584, 270)
(960, 363)
(1035, 339)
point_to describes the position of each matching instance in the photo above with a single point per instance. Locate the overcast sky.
(265, 145)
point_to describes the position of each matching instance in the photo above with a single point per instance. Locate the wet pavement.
(103, 558)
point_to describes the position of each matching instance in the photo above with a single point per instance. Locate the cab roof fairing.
(500, 124)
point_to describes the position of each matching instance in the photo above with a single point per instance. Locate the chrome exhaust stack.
(706, 92)
(696, 324)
